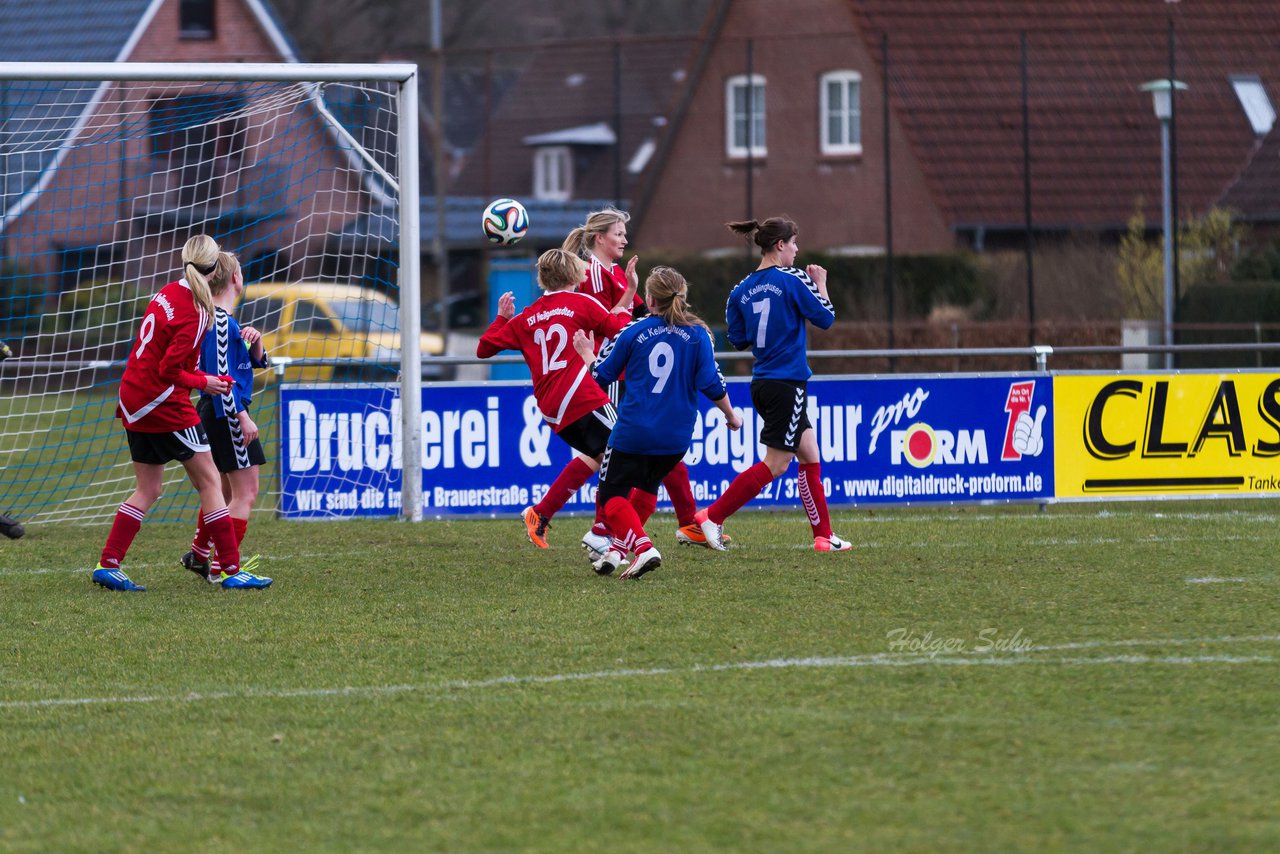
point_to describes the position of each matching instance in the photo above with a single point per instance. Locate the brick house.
(812, 83)
(80, 210)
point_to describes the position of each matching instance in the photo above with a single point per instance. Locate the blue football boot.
(114, 579)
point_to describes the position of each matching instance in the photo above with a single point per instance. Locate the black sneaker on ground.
(196, 565)
(11, 527)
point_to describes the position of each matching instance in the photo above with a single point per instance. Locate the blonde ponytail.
(576, 242)
(670, 295)
(199, 263)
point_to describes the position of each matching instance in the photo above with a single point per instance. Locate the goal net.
(308, 173)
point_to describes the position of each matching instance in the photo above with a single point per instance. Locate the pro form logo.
(922, 446)
(1023, 435)
(919, 445)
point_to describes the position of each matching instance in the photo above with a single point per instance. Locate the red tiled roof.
(1255, 194)
(955, 83)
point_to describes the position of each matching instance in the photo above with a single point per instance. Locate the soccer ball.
(505, 222)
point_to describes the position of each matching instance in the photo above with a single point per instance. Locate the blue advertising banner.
(486, 450)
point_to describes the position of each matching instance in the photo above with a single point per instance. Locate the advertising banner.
(961, 439)
(486, 450)
(1149, 435)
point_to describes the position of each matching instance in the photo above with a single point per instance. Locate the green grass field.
(447, 687)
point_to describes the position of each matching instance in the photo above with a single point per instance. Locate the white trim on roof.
(51, 169)
(138, 30)
(268, 25)
(597, 134)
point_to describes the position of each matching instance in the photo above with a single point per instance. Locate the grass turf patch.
(447, 686)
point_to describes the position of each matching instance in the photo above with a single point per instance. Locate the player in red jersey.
(575, 407)
(159, 420)
(601, 241)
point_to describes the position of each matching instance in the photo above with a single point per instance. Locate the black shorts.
(159, 448)
(621, 472)
(783, 405)
(590, 434)
(230, 453)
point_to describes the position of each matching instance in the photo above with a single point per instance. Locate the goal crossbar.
(210, 71)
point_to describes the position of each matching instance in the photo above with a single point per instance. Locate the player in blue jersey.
(667, 358)
(232, 351)
(769, 312)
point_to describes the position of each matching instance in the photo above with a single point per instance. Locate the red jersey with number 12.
(543, 333)
(155, 392)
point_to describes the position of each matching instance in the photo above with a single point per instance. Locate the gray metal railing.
(1038, 355)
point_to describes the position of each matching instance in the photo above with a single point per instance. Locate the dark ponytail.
(767, 233)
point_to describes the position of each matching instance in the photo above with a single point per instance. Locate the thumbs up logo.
(1024, 434)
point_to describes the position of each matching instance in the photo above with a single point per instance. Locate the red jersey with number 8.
(155, 392)
(543, 333)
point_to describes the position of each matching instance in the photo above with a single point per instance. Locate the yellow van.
(336, 323)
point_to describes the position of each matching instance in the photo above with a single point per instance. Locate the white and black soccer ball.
(505, 222)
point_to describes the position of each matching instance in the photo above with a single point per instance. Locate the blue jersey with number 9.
(767, 311)
(665, 368)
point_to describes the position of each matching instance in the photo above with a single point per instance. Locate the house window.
(552, 173)
(196, 19)
(744, 116)
(840, 112)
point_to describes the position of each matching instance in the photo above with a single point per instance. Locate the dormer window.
(553, 173)
(554, 155)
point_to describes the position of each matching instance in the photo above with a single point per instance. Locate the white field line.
(858, 545)
(84, 570)
(887, 659)
(1210, 579)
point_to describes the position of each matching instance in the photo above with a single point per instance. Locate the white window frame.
(850, 114)
(759, 146)
(553, 173)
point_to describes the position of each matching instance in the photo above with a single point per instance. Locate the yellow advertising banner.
(1166, 434)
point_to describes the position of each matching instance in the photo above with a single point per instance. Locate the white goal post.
(309, 171)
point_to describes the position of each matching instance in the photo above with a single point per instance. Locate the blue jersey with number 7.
(665, 368)
(767, 311)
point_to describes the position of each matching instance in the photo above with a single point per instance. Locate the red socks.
(123, 529)
(219, 527)
(200, 543)
(745, 487)
(814, 499)
(628, 533)
(571, 479)
(677, 484)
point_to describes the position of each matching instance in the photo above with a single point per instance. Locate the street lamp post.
(1162, 100)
